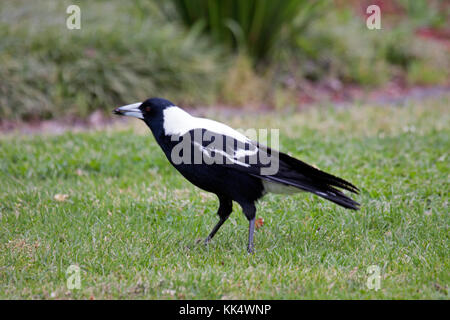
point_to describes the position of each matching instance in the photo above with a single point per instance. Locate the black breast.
(216, 178)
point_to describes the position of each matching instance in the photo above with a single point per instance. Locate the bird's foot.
(204, 241)
(250, 250)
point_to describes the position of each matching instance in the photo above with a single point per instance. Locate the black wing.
(260, 161)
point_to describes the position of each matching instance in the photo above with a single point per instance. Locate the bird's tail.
(293, 172)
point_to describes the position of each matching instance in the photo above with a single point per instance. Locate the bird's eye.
(147, 109)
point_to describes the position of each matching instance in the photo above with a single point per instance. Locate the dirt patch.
(392, 94)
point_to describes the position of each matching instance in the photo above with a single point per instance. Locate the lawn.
(108, 201)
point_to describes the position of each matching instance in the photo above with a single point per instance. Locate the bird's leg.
(214, 230)
(225, 208)
(251, 230)
(250, 212)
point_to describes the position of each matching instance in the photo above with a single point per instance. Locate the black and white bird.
(221, 160)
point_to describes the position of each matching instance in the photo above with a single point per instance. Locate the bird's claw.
(204, 241)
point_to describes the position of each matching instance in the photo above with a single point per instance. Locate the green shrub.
(241, 86)
(126, 52)
(116, 57)
(340, 46)
(337, 46)
(253, 25)
(431, 65)
(426, 13)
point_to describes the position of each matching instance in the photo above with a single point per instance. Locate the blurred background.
(258, 54)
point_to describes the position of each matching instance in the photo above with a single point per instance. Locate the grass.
(131, 221)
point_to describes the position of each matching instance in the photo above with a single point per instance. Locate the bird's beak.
(131, 110)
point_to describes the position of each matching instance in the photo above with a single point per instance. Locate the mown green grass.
(131, 221)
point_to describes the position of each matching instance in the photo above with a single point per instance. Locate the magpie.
(223, 161)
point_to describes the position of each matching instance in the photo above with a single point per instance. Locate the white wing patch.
(208, 152)
(179, 122)
(240, 153)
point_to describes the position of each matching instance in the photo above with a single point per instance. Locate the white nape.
(179, 122)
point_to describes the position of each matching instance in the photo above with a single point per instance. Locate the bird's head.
(147, 110)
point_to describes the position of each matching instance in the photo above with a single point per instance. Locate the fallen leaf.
(170, 292)
(440, 288)
(61, 197)
(353, 271)
(259, 223)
